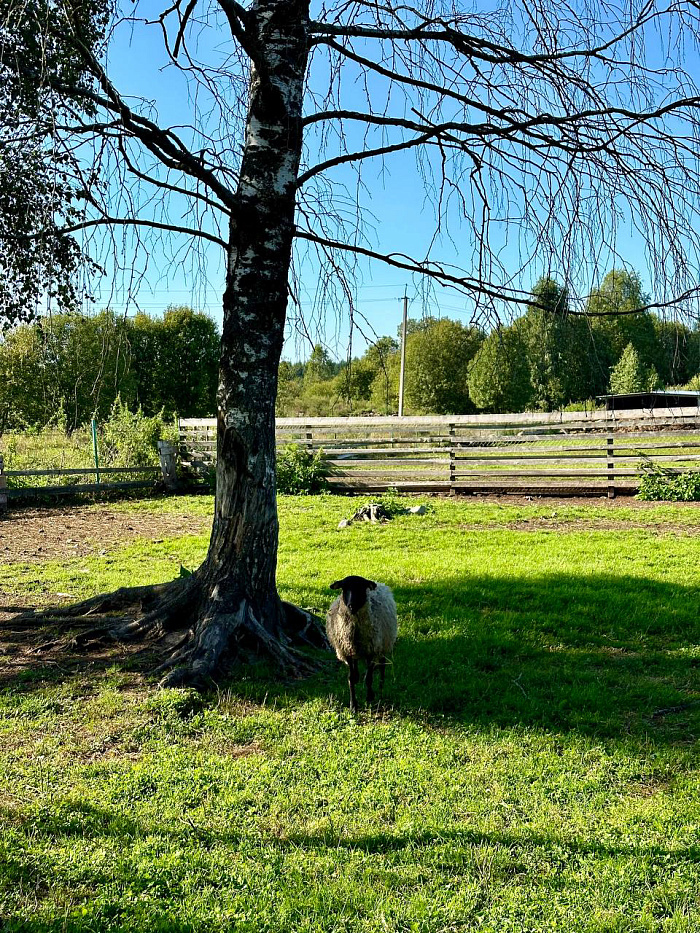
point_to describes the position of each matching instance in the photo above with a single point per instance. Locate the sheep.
(361, 626)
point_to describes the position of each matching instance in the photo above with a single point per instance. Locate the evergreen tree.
(557, 345)
(631, 375)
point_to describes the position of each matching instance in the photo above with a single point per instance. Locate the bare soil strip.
(34, 535)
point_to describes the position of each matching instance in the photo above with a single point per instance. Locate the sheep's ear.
(338, 585)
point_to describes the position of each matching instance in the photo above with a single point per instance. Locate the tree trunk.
(237, 582)
(231, 603)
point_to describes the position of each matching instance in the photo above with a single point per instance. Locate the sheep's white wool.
(368, 635)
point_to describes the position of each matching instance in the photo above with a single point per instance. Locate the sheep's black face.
(355, 591)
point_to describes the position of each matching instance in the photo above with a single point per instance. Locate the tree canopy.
(80, 364)
(499, 374)
(45, 83)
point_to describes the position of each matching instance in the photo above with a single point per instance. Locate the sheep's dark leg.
(382, 670)
(368, 681)
(353, 677)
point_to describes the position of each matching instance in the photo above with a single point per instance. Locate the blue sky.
(396, 197)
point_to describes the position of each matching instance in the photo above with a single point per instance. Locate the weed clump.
(663, 485)
(301, 471)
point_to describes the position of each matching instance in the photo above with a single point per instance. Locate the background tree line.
(546, 359)
(77, 365)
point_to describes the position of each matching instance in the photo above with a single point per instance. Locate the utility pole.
(403, 354)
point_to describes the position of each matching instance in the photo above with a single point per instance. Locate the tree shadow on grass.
(599, 655)
(602, 655)
(514, 842)
(131, 898)
(606, 656)
(33, 655)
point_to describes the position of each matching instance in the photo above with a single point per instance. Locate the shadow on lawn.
(596, 655)
(516, 843)
(601, 655)
(128, 880)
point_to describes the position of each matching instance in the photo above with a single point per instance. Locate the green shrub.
(130, 438)
(589, 404)
(659, 484)
(301, 471)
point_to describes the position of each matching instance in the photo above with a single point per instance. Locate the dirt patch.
(33, 652)
(33, 535)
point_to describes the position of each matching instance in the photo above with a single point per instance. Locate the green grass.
(48, 449)
(518, 778)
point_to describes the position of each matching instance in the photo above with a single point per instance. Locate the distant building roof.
(672, 398)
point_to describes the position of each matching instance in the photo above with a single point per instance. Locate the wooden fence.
(153, 475)
(559, 453)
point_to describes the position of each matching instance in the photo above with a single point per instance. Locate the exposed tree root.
(127, 597)
(221, 636)
(211, 632)
(302, 627)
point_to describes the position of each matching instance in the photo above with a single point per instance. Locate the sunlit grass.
(534, 767)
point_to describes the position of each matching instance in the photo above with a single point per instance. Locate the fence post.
(168, 465)
(611, 466)
(3, 485)
(309, 439)
(95, 451)
(452, 459)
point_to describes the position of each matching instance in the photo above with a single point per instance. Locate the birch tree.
(552, 128)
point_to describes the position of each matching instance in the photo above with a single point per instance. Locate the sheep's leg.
(353, 677)
(368, 681)
(382, 671)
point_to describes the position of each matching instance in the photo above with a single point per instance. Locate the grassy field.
(534, 767)
(49, 449)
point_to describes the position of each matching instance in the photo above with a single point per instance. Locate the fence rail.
(165, 473)
(564, 453)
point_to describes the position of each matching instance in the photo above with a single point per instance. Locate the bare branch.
(125, 222)
(239, 21)
(472, 286)
(183, 25)
(165, 144)
(433, 270)
(366, 154)
(480, 47)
